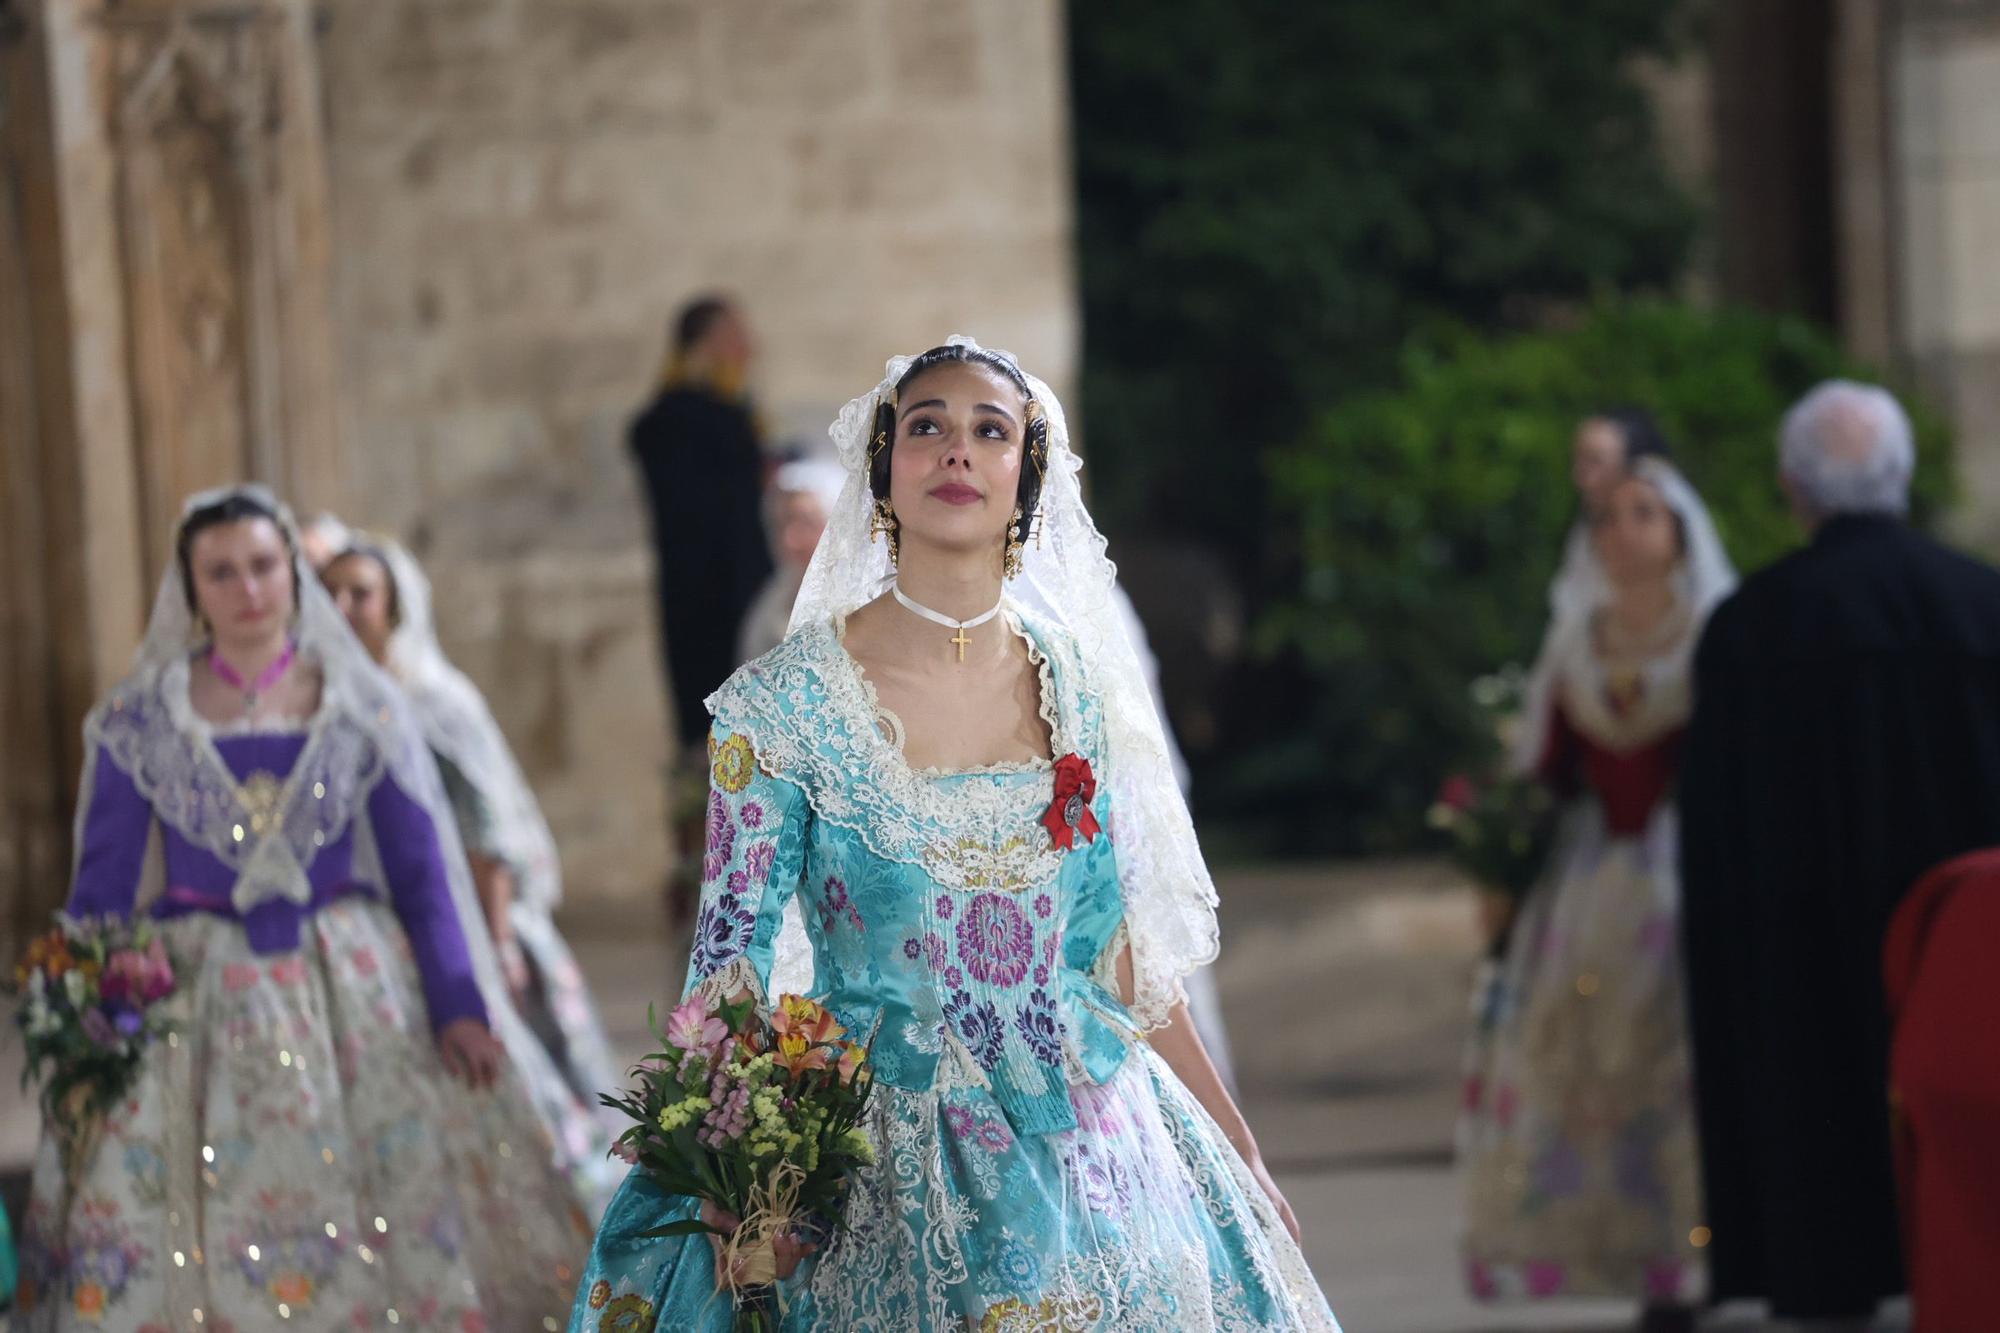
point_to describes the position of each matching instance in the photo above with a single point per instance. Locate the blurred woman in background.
(1577, 1141)
(796, 507)
(512, 855)
(337, 1133)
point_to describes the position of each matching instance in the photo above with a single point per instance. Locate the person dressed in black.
(697, 448)
(1846, 737)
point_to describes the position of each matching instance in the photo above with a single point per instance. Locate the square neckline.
(1048, 708)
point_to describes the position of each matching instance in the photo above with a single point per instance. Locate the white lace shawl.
(362, 732)
(458, 724)
(1705, 577)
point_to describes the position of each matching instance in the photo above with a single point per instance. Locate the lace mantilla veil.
(1705, 577)
(1067, 583)
(362, 733)
(458, 724)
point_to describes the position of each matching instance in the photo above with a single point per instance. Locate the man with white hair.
(1846, 737)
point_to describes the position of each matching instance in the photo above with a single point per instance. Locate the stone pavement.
(1344, 989)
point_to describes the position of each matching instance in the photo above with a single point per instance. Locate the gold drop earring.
(882, 520)
(1011, 566)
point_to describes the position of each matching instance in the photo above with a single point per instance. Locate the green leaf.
(694, 1226)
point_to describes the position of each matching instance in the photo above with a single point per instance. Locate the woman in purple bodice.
(336, 1136)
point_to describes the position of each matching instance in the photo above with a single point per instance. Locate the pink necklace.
(266, 678)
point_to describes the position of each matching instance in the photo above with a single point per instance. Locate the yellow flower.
(627, 1314)
(797, 1053)
(732, 764)
(1008, 1314)
(682, 1112)
(1048, 1316)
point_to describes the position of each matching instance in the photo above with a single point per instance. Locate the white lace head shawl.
(1704, 578)
(1069, 582)
(458, 724)
(362, 732)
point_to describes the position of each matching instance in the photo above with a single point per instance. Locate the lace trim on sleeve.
(726, 982)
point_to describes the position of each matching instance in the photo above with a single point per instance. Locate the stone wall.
(1945, 78)
(523, 191)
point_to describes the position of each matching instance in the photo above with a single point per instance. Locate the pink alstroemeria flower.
(693, 1029)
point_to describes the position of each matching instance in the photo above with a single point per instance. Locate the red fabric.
(1944, 1077)
(1630, 783)
(1070, 814)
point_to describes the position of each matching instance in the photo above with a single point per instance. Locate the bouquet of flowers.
(92, 993)
(1501, 824)
(759, 1116)
(1500, 829)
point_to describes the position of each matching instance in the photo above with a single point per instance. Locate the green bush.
(1273, 195)
(1423, 524)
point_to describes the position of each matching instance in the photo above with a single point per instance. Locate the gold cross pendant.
(960, 639)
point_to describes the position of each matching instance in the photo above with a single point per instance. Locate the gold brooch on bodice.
(262, 796)
(1624, 691)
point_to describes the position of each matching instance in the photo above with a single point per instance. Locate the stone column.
(1863, 180)
(1945, 100)
(163, 327)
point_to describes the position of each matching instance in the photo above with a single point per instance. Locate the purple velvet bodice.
(114, 849)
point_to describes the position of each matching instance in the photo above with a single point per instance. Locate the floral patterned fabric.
(1038, 1166)
(297, 1158)
(1577, 1140)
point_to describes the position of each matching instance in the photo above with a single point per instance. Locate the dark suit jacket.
(1846, 737)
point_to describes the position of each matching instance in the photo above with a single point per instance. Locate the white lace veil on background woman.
(458, 724)
(362, 733)
(1067, 582)
(1704, 578)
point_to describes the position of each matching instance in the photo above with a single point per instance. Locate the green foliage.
(1423, 524)
(1273, 195)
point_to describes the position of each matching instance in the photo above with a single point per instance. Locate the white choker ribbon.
(950, 623)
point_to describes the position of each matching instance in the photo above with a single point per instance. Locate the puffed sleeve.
(112, 850)
(413, 862)
(754, 855)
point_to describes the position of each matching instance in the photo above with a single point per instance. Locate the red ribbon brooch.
(1069, 814)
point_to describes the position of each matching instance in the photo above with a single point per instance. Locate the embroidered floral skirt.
(1577, 1140)
(560, 1013)
(1141, 1218)
(297, 1158)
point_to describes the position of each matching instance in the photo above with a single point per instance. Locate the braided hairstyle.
(882, 439)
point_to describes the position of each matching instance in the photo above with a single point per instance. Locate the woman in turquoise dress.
(942, 807)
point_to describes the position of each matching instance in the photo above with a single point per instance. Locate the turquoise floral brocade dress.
(1038, 1166)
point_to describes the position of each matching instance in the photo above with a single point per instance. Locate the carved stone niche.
(164, 327)
(223, 239)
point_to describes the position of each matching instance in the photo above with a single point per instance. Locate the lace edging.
(809, 717)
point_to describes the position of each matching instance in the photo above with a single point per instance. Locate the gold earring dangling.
(1011, 566)
(883, 521)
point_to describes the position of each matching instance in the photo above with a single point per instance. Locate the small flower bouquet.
(757, 1115)
(92, 992)
(1501, 824)
(1500, 830)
